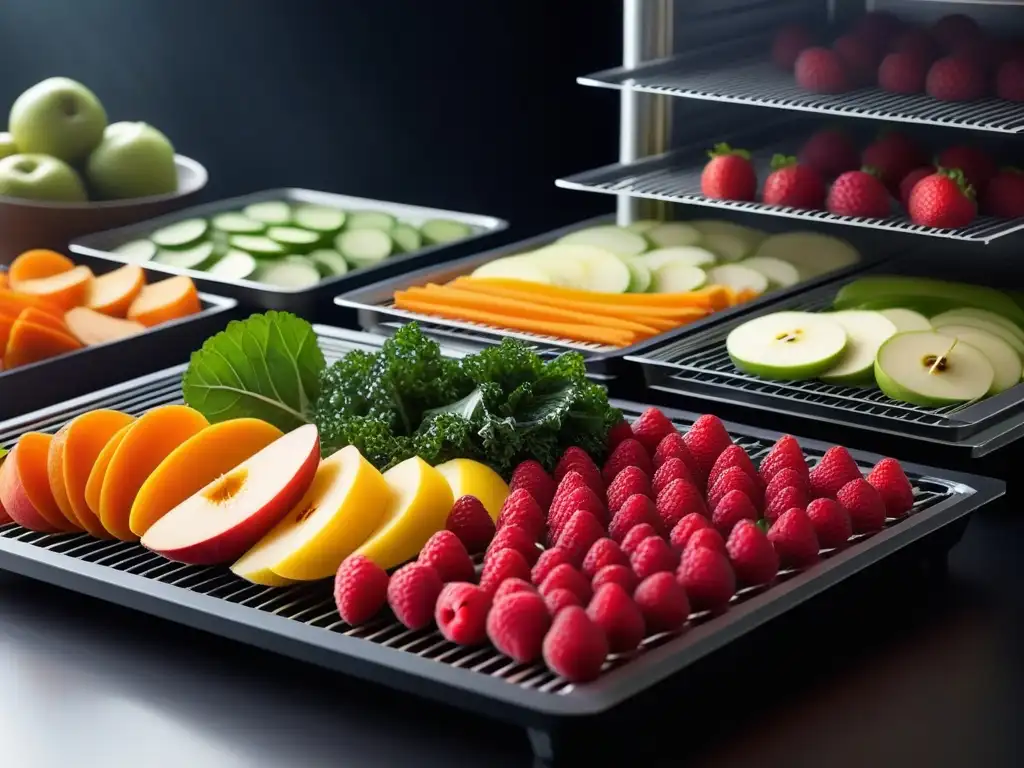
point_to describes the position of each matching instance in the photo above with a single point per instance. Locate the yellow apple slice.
(342, 507)
(471, 478)
(421, 501)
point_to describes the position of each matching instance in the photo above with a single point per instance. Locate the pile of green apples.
(921, 341)
(60, 149)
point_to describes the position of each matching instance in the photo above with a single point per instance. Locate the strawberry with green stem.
(729, 175)
(794, 184)
(944, 200)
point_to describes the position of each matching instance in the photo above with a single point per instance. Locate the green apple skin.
(133, 160)
(40, 177)
(58, 117)
(787, 373)
(894, 391)
(7, 145)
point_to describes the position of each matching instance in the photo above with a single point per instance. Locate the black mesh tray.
(301, 621)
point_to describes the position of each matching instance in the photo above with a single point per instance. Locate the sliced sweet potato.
(94, 485)
(66, 290)
(166, 300)
(91, 327)
(39, 263)
(115, 291)
(29, 343)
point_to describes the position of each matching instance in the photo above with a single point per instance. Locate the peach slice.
(37, 263)
(91, 327)
(4, 517)
(112, 293)
(210, 453)
(94, 485)
(55, 476)
(342, 507)
(84, 440)
(165, 301)
(232, 513)
(25, 487)
(66, 290)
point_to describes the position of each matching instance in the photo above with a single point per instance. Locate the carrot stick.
(645, 300)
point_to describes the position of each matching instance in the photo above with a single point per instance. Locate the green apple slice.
(1004, 358)
(906, 319)
(998, 319)
(931, 369)
(641, 226)
(690, 255)
(780, 274)
(523, 267)
(137, 251)
(672, 233)
(564, 270)
(919, 292)
(811, 253)
(640, 277)
(181, 234)
(616, 240)
(677, 278)
(954, 319)
(605, 272)
(787, 345)
(738, 277)
(865, 331)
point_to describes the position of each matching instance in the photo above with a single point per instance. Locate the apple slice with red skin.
(229, 515)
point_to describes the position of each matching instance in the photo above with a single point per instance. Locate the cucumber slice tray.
(377, 314)
(302, 623)
(258, 224)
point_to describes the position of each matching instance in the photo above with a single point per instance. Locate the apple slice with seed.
(787, 345)
(932, 370)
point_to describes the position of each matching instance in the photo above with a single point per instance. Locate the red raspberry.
(787, 498)
(636, 535)
(653, 555)
(513, 537)
(835, 470)
(575, 459)
(663, 603)
(786, 478)
(445, 554)
(557, 599)
(511, 586)
(461, 613)
(502, 565)
(563, 508)
(708, 538)
(578, 536)
(863, 504)
(618, 433)
(672, 469)
(730, 510)
(752, 555)
(628, 482)
(735, 479)
(614, 574)
(531, 477)
(892, 485)
(785, 454)
(360, 589)
(470, 522)
(637, 510)
(677, 500)
(548, 560)
(575, 647)
(706, 439)
(614, 611)
(521, 509)
(707, 578)
(831, 523)
(686, 527)
(517, 624)
(673, 446)
(566, 577)
(733, 456)
(412, 594)
(794, 539)
(628, 453)
(568, 483)
(651, 427)
(604, 552)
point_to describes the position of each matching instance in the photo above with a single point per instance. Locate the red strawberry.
(987, 53)
(505, 564)
(794, 539)
(445, 554)
(628, 453)
(910, 181)
(603, 552)
(735, 479)
(887, 477)
(511, 586)
(567, 577)
(820, 70)
(662, 602)
(831, 523)
(531, 477)
(918, 43)
(635, 536)
(733, 456)
(794, 185)
(686, 527)
(707, 578)
(859, 193)
(835, 470)
(832, 152)
(878, 28)
(1004, 196)
(863, 504)
(575, 647)
(461, 613)
(614, 611)
(677, 500)
(729, 175)
(903, 73)
(578, 535)
(672, 469)
(513, 537)
(673, 446)
(785, 454)
(651, 427)
(733, 507)
(653, 555)
(548, 560)
(618, 433)
(787, 478)
(706, 439)
(859, 58)
(956, 78)
(412, 594)
(637, 510)
(955, 28)
(978, 166)
(706, 538)
(943, 200)
(1010, 79)
(360, 589)
(789, 42)
(628, 482)
(752, 555)
(615, 574)
(891, 157)
(521, 509)
(557, 599)
(563, 508)
(517, 626)
(470, 522)
(787, 498)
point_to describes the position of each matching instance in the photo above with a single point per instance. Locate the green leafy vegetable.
(266, 367)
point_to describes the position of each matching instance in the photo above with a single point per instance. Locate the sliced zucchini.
(181, 234)
(137, 251)
(257, 245)
(677, 278)
(679, 254)
(437, 231)
(233, 265)
(640, 277)
(319, 218)
(272, 213)
(738, 278)
(523, 267)
(672, 233)
(294, 240)
(615, 240)
(289, 273)
(780, 274)
(237, 224)
(370, 220)
(407, 238)
(364, 247)
(811, 253)
(190, 258)
(330, 263)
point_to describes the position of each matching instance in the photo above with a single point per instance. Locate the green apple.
(1004, 358)
(866, 331)
(133, 160)
(906, 319)
(932, 370)
(787, 345)
(40, 177)
(58, 117)
(7, 146)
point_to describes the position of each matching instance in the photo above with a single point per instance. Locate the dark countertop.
(912, 671)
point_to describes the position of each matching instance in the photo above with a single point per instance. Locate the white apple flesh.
(1005, 361)
(929, 369)
(906, 319)
(866, 331)
(787, 345)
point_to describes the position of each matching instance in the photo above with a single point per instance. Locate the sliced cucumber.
(370, 220)
(438, 231)
(294, 240)
(677, 278)
(563, 270)
(181, 234)
(605, 272)
(738, 278)
(137, 251)
(641, 226)
(811, 253)
(190, 258)
(1004, 358)
(233, 265)
(731, 242)
(364, 247)
(257, 245)
(523, 267)
(927, 368)
(237, 224)
(907, 319)
(330, 263)
(640, 277)
(671, 234)
(289, 273)
(953, 319)
(319, 218)
(786, 345)
(866, 331)
(690, 255)
(984, 314)
(407, 238)
(780, 274)
(615, 240)
(272, 213)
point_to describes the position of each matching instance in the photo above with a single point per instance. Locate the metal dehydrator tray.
(377, 313)
(301, 621)
(305, 301)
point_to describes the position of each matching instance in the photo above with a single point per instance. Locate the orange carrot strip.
(645, 300)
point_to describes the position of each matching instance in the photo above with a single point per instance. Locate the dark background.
(450, 103)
